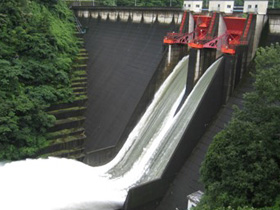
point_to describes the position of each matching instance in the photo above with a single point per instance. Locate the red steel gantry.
(203, 30)
(236, 34)
(178, 38)
(237, 29)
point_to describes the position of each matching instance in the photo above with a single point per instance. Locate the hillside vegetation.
(37, 49)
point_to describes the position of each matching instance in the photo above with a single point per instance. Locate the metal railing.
(80, 2)
(79, 26)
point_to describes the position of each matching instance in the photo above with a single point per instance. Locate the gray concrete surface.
(187, 180)
(123, 58)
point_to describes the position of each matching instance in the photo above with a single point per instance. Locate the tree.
(105, 2)
(242, 165)
(38, 47)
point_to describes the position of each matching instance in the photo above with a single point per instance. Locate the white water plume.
(63, 184)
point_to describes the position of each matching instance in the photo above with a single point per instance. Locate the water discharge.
(58, 183)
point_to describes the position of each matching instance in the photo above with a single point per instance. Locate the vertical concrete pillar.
(222, 28)
(197, 70)
(199, 61)
(229, 69)
(191, 69)
(208, 56)
(240, 56)
(246, 58)
(174, 53)
(260, 22)
(191, 23)
(169, 54)
(251, 40)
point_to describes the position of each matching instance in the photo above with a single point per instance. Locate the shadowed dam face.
(123, 57)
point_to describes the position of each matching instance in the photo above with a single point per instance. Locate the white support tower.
(225, 6)
(193, 5)
(256, 6)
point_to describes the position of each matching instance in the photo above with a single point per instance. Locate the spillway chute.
(58, 183)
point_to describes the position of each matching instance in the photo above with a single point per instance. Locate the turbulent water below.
(64, 184)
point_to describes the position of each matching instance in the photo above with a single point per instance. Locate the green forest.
(242, 167)
(38, 47)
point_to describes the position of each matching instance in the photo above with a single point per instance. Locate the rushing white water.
(58, 183)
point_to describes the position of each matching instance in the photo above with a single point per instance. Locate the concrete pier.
(200, 60)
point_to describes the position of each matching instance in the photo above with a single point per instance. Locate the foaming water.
(55, 183)
(63, 184)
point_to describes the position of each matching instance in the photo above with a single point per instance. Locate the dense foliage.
(37, 47)
(242, 166)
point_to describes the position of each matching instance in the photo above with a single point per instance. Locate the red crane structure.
(203, 30)
(204, 26)
(236, 34)
(237, 29)
(181, 37)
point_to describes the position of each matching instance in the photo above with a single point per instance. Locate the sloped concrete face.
(123, 56)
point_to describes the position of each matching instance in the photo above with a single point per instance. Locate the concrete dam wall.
(127, 59)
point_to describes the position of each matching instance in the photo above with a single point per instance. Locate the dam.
(140, 97)
(126, 56)
(130, 59)
(162, 21)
